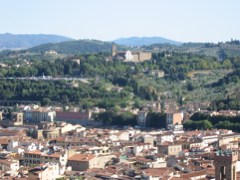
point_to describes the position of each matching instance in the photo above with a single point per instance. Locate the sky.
(179, 20)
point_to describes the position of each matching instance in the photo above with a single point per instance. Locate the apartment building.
(82, 162)
(37, 157)
(170, 148)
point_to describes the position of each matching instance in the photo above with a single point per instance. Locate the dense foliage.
(119, 119)
(112, 83)
(220, 50)
(205, 121)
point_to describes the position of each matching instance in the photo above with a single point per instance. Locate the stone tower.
(1, 117)
(114, 50)
(225, 165)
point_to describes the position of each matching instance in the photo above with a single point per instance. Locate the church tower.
(225, 165)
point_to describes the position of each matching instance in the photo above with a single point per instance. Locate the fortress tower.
(114, 50)
(225, 165)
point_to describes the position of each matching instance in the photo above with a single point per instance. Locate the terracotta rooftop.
(194, 174)
(36, 152)
(81, 157)
(160, 172)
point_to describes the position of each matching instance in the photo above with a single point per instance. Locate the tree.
(207, 124)
(190, 86)
(227, 64)
(119, 119)
(45, 102)
(193, 125)
(156, 120)
(68, 69)
(65, 99)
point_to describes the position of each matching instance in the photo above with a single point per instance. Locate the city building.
(38, 157)
(73, 117)
(49, 171)
(174, 118)
(9, 165)
(82, 162)
(15, 120)
(170, 148)
(38, 115)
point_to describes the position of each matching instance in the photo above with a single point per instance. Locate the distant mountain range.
(144, 41)
(23, 41)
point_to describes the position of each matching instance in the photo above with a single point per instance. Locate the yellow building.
(170, 148)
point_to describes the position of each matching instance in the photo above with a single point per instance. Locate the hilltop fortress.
(129, 56)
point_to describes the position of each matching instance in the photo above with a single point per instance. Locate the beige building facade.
(170, 149)
(82, 162)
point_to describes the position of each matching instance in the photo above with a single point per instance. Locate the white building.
(49, 171)
(129, 56)
(39, 115)
(9, 165)
(12, 144)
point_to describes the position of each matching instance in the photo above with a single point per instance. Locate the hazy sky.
(180, 20)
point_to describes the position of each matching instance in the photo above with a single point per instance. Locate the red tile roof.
(81, 157)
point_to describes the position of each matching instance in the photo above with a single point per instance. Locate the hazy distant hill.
(75, 47)
(219, 50)
(22, 41)
(144, 41)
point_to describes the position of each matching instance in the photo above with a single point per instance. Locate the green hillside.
(220, 50)
(75, 47)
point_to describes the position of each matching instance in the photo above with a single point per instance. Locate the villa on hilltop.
(129, 56)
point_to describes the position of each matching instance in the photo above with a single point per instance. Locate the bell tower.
(225, 165)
